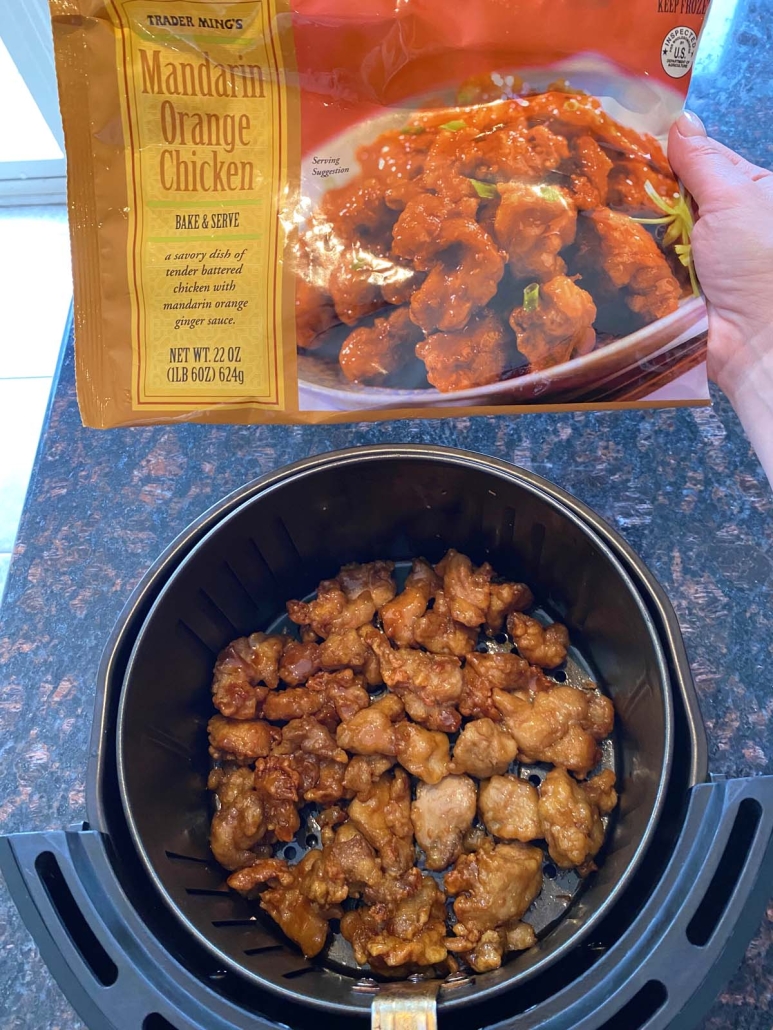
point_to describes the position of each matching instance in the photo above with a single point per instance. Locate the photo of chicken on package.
(319, 210)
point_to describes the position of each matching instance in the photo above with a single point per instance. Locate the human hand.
(733, 251)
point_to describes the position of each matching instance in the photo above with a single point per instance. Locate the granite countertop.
(683, 487)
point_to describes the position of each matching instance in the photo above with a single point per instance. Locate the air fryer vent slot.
(728, 872)
(202, 643)
(216, 613)
(264, 566)
(155, 1021)
(251, 921)
(239, 584)
(83, 937)
(640, 1009)
(295, 973)
(176, 857)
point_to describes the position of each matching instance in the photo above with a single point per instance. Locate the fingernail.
(689, 124)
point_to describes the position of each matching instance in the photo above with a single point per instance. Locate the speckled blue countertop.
(682, 486)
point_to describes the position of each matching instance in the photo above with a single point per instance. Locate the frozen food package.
(330, 210)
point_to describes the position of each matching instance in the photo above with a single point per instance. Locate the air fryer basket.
(279, 544)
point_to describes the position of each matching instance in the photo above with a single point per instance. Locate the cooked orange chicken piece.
(356, 861)
(399, 616)
(345, 867)
(439, 633)
(238, 825)
(429, 685)
(505, 671)
(315, 313)
(494, 886)
(561, 725)
(358, 215)
(278, 782)
(372, 354)
(424, 753)
(346, 649)
(554, 323)
(344, 690)
(487, 951)
(575, 114)
(627, 187)
(331, 612)
(240, 740)
(245, 671)
(620, 255)
(310, 737)
(322, 779)
(600, 791)
(295, 702)
(396, 158)
(353, 288)
(371, 731)
(467, 588)
(463, 263)
(330, 697)
(541, 645)
(533, 224)
(471, 356)
(570, 814)
(299, 662)
(346, 602)
(403, 933)
(508, 807)
(502, 153)
(300, 919)
(483, 749)
(441, 815)
(374, 578)
(589, 169)
(364, 770)
(506, 598)
(383, 816)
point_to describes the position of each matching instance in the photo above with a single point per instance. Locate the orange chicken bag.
(324, 210)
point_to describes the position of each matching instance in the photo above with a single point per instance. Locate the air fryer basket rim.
(217, 520)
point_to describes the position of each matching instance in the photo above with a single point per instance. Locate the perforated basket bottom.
(560, 886)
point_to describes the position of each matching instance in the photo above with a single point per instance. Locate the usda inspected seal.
(678, 51)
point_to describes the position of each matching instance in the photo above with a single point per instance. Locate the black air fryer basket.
(131, 911)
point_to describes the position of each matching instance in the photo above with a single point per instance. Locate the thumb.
(707, 168)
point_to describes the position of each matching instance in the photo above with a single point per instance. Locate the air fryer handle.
(721, 877)
(690, 936)
(109, 965)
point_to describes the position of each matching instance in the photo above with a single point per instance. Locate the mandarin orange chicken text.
(388, 725)
(480, 242)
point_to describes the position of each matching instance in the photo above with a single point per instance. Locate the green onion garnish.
(531, 297)
(466, 96)
(571, 105)
(412, 130)
(549, 193)
(486, 190)
(358, 264)
(678, 220)
(455, 125)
